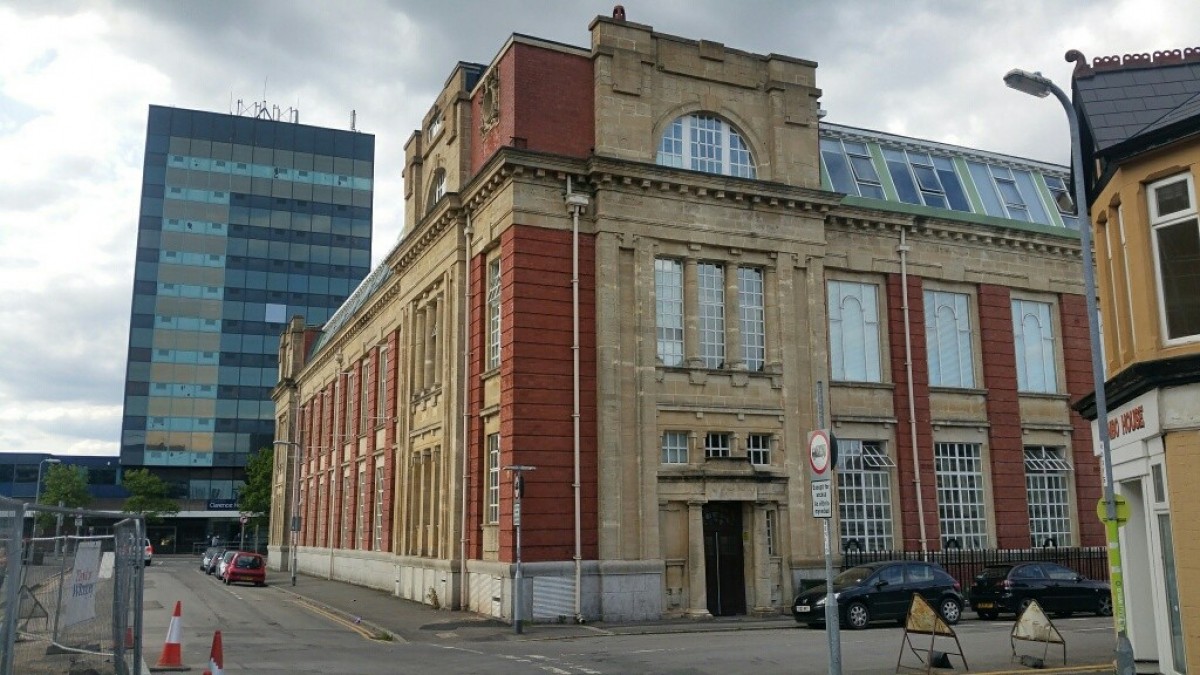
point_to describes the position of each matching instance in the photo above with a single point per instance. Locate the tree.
(66, 484)
(148, 495)
(255, 497)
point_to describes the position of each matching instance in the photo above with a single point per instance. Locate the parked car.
(147, 551)
(1061, 591)
(223, 562)
(246, 566)
(215, 561)
(882, 591)
(206, 558)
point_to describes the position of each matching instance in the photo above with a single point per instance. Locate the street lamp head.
(1034, 84)
(286, 443)
(51, 460)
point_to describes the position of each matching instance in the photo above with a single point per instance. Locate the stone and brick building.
(632, 266)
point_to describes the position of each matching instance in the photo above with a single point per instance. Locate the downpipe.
(576, 203)
(903, 249)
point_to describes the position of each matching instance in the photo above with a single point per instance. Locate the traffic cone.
(216, 657)
(172, 651)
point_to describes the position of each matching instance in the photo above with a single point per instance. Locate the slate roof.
(1136, 95)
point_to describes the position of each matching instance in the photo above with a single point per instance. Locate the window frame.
(494, 306)
(686, 134)
(967, 489)
(710, 305)
(674, 453)
(1159, 222)
(673, 335)
(381, 390)
(718, 445)
(378, 516)
(752, 319)
(492, 494)
(963, 339)
(872, 344)
(1048, 488)
(1048, 345)
(758, 448)
(865, 470)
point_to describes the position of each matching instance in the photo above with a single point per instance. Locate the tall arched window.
(705, 143)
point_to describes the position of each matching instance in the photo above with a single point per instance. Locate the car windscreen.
(853, 576)
(249, 563)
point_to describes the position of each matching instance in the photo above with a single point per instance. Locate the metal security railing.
(964, 564)
(70, 590)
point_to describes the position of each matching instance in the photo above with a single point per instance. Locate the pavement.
(383, 616)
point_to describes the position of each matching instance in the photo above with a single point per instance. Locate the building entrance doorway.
(724, 558)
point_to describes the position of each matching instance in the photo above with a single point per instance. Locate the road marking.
(357, 628)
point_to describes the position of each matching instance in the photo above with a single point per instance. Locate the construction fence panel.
(73, 585)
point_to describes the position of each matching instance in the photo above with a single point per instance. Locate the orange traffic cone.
(172, 651)
(216, 657)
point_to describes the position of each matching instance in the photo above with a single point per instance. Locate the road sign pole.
(821, 457)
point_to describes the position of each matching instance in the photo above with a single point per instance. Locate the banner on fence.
(81, 603)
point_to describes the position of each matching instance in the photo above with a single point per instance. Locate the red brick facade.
(1077, 360)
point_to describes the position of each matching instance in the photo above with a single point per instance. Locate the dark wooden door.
(724, 558)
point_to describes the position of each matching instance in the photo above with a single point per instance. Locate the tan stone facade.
(676, 485)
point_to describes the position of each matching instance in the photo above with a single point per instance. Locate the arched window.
(437, 189)
(705, 143)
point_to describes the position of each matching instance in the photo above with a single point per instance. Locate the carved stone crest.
(490, 101)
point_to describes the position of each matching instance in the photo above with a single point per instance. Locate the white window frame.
(850, 300)
(864, 484)
(363, 515)
(381, 390)
(710, 284)
(717, 444)
(1048, 495)
(346, 539)
(962, 505)
(378, 525)
(492, 505)
(948, 339)
(751, 306)
(675, 447)
(669, 307)
(758, 449)
(703, 142)
(771, 530)
(1035, 346)
(437, 189)
(493, 305)
(1158, 222)
(1058, 191)
(435, 124)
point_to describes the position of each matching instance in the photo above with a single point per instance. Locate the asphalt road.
(272, 630)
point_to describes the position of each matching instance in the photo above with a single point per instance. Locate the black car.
(1061, 591)
(882, 591)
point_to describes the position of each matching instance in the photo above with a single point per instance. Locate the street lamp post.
(294, 526)
(37, 492)
(1036, 84)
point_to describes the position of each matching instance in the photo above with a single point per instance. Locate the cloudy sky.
(76, 79)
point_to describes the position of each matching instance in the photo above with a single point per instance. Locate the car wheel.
(260, 583)
(987, 616)
(857, 615)
(1023, 605)
(1105, 607)
(950, 610)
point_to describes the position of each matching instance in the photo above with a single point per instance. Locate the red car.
(246, 566)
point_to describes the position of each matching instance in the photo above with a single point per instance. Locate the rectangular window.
(674, 447)
(706, 144)
(493, 478)
(1033, 338)
(365, 391)
(771, 529)
(1046, 484)
(348, 396)
(758, 448)
(381, 394)
(1160, 485)
(1063, 201)
(948, 339)
(716, 445)
(961, 510)
(753, 319)
(853, 332)
(378, 525)
(711, 285)
(668, 293)
(493, 303)
(864, 483)
(346, 537)
(363, 516)
(1173, 217)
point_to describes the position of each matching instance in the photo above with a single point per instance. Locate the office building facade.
(633, 266)
(245, 221)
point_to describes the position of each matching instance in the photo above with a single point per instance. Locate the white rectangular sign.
(81, 598)
(822, 499)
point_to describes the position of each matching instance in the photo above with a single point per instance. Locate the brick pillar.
(1010, 512)
(392, 410)
(910, 526)
(1077, 357)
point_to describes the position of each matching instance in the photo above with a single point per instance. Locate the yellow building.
(1140, 130)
